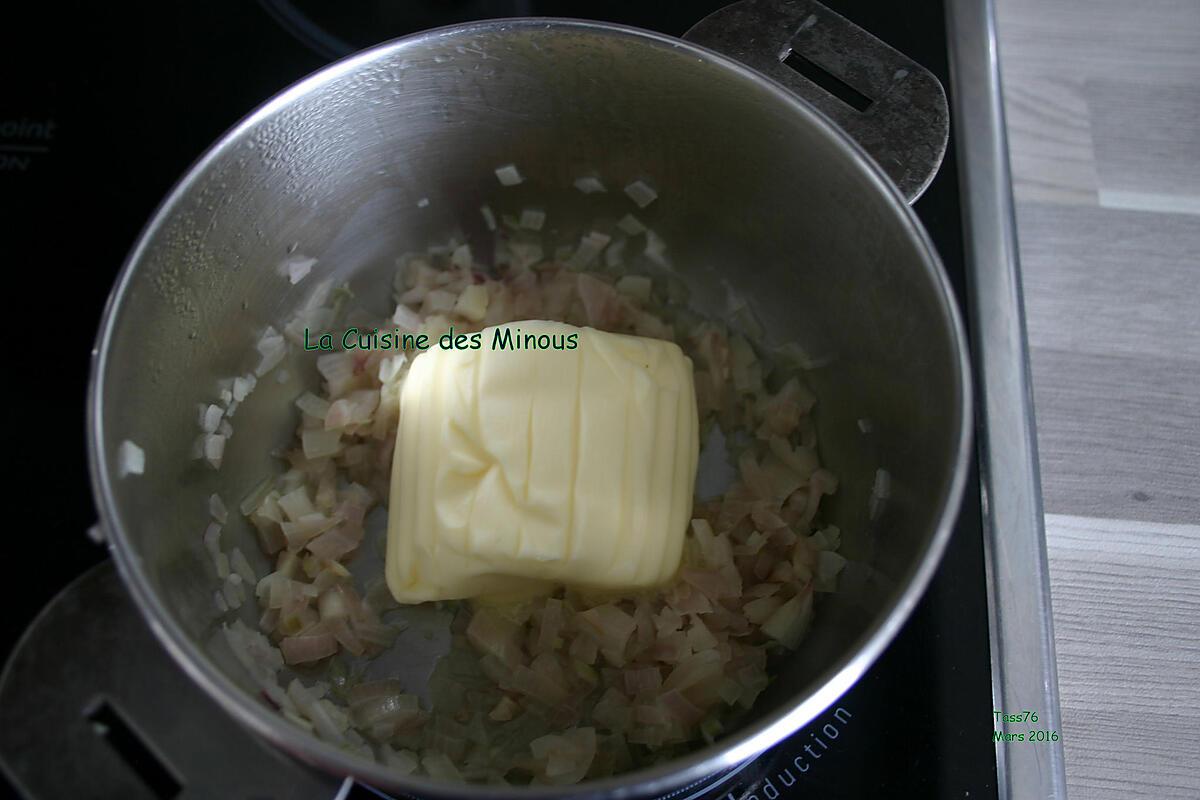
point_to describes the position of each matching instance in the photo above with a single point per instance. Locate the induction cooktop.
(104, 108)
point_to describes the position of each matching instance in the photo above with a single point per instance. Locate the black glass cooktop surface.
(105, 106)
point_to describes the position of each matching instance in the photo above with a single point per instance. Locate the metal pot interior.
(758, 199)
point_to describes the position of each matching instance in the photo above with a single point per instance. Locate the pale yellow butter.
(515, 469)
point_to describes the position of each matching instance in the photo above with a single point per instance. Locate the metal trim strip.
(1024, 675)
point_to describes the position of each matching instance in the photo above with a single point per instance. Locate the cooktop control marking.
(22, 140)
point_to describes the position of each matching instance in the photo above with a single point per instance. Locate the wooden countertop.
(1103, 106)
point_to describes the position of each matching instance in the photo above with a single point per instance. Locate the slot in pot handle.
(891, 105)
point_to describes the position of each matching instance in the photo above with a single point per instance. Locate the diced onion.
(271, 348)
(640, 193)
(243, 386)
(566, 757)
(390, 368)
(439, 301)
(693, 670)
(590, 246)
(214, 449)
(881, 490)
(492, 634)
(489, 218)
(320, 443)
(472, 303)
(532, 219)
(461, 257)
(338, 371)
(241, 566)
(255, 652)
(312, 405)
(406, 319)
(829, 565)
(527, 254)
(611, 627)
(131, 459)
(402, 762)
(631, 225)
(672, 662)
(790, 621)
(211, 419)
(438, 765)
(308, 648)
(508, 175)
(503, 710)
(296, 268)
(656, 248)
(637, 286)
(589, 184)
(231, 590)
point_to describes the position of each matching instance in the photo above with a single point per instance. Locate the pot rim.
(743, 743)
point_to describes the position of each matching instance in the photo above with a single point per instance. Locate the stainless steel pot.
(758, 193)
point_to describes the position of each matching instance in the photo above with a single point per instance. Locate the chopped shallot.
(271, 348)
(611, 628)
(590, 246)
(296, 268)
(131, 459)
(881, 490)
(589, 184)
(564, 758)
(532, 219)
(631, 225)
(790, 621)
(306, 648)
(217, 510)
(640, 193)
(561, 686)
(489, 217)
(508, 175)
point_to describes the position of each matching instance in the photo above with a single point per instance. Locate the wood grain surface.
(1126, 601)
(1103, 106)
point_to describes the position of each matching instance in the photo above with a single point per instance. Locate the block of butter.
(519, 468)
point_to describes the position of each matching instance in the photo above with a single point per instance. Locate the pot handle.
(892, 106)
